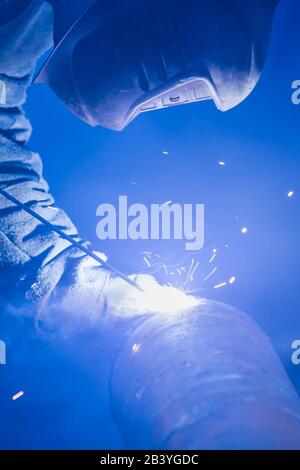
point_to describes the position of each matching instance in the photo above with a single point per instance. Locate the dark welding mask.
(115, 59)
(11, 9)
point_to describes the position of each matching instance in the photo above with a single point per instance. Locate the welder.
(110, 62)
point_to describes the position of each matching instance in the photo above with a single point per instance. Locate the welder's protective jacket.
(35, 263)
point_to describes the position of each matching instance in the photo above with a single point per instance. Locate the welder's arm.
(37, 266)
(35, 263)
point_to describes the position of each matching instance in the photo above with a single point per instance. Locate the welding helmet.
(114, 59)
(11, 9)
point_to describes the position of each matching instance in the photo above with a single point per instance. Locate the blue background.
(260, 143)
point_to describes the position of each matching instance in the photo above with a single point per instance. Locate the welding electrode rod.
(69, 239)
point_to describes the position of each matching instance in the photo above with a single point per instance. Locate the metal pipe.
(204, 379)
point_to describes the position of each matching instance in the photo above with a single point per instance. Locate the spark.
(213, 256)
(167, 203)
(222, 163)
(17, 396)
(165, 268)
(219, 286)
(133, 183)
(147, 262)
(232, 280)
(291, 194)
(244, 230)
(136, 348)
(165, 153)
(190, 276)
(191, 267)
(210, 274)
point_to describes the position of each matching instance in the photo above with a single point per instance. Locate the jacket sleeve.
(35, 263)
